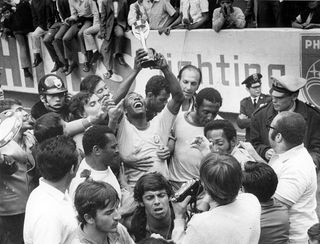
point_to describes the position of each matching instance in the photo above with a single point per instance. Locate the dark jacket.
(107, 17)
(247, 108)
(63, 8)
(265, 115)
(43, 13)
(38, 109)
(21, 19)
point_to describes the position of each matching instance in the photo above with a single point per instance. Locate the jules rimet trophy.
(140, 30)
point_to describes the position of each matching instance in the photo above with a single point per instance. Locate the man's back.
(49, 216)
(297, 188)
(237, 222)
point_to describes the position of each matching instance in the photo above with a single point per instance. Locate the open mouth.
(138, 105)
(158, 210)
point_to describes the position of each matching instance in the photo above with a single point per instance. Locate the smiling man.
(140, 139)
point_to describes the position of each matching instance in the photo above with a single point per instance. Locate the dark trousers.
(53, 41)
(112, 46)
(269, 14)
(11, 229)
(22, 40)
(73, 31)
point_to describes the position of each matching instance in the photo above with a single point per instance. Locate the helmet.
(51, 84)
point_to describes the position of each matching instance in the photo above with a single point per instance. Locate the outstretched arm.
(126, 84)
(174, 86)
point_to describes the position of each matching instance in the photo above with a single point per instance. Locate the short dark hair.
(210, 94)
(47, 126)
(77, 102)
(221, 175)
(7, 103)
(89, 83)
(95, 136)
(151, 182)
(314, 232)
(220, 124)
(292, 127)
(91, 196)
(190, 67)
(156, 84)
(55, 157)
(260, 180)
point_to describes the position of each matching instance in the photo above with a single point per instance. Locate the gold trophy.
(140, 30)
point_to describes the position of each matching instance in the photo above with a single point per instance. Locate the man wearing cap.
(249, 104)
(284, 93)
(53, 97)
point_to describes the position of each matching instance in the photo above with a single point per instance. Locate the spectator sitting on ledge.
(227, 17)
(309, 18)
(193, 15)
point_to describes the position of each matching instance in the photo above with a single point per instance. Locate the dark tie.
(255, 102)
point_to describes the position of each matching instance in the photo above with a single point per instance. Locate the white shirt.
(50, 217)
(97, 175)
(235, 223)
(297, 187)
(136, 144)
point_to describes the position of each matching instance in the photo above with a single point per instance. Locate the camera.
(191, 188)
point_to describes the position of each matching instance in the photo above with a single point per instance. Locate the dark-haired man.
(97, 205)
(227, 16)
(50, 217)
(157, 95)
(141, 139)
(154, 213)
(261, 180)
(101, 151)
(232, 218)
(249, 104)
(296, 173)
(185, 162)
(222, 138)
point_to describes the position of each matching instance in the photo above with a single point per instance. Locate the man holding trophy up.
(141, 142)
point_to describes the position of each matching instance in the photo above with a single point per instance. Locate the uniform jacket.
(247, 108)
(108, 20)
(265, 115)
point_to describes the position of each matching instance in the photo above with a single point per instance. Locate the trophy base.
(148, 63)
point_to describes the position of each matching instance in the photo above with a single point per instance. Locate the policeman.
(53, 97)
(249, 104)
(284, 93)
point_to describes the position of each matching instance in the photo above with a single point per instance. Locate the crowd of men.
(106, 168)
(57, 23)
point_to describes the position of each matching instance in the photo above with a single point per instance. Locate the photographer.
(232, 218)
(227, 17)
